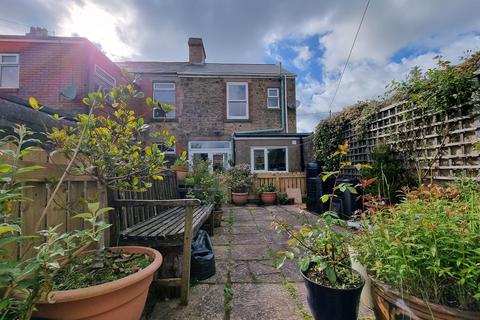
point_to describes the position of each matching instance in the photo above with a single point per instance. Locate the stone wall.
(201, 108)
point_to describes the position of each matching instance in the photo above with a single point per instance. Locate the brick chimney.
(37, 32)
(196, 51)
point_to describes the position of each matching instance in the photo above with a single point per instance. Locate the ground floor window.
(218, 153)
(265, 159)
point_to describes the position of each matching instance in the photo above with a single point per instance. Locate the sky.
(310, 37)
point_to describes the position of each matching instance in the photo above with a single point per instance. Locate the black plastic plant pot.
(333, 304)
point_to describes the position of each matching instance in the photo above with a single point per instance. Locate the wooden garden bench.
(158, 218)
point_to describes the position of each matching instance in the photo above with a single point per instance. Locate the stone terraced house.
(225, 112)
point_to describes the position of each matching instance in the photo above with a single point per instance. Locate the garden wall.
(441, 144)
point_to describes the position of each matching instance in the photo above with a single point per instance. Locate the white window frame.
(246, 117)
(174, 88)
(10, 64)
(112, 81)
(210, 151)
(276, 97)
(265, 156)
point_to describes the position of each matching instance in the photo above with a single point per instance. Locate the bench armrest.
(161, 203)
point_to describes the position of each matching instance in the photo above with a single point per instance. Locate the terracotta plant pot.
(240, 199)
(268, 198)
(217, 218)
(180, 171)
(119, 299)
(391, 304)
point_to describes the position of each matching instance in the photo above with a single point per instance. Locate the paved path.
(247, 285)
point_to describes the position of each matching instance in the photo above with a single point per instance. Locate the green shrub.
(428, 245)
(240, 178)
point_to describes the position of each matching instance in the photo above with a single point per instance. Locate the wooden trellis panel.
(420, 135)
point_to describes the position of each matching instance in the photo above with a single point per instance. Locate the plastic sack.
(203, 258)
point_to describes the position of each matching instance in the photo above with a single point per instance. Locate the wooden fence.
(283, 181)
(68, 201)
(443, 142)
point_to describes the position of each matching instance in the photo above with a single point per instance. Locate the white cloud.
(303, 56)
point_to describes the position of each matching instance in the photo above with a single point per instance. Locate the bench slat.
(158, 219)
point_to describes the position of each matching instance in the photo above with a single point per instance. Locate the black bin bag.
(203, 259)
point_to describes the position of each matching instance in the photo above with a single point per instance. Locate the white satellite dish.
(294, 105)
(69, 92)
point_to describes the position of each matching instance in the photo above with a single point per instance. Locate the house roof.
(205, 69)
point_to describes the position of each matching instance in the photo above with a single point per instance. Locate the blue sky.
(310, 37)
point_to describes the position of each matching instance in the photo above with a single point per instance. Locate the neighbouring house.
(225, 112)
(57, 71)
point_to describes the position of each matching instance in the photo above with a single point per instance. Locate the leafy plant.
(182, 160)
(239, 178)
(24, 283)
(206, 185)
(428, 245)
(266, 188)
(321, 251)
(322, 247)
(112, 147)
(282, 198)
(107, 147)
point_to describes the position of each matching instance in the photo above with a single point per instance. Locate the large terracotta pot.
(181, 172)
(268, 198)
(390, 304)
(240, 198)
(120, 299)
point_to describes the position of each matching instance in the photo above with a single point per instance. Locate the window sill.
(273, 109)
(237, 120)
(9, 90)
(164, 120)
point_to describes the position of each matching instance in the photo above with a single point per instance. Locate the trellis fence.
(69, 200)
(440, 142)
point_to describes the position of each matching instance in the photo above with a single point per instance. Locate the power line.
(14, 22)
(348, 58)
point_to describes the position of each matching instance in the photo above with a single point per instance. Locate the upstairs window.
(164, 92)
(273, 98)
(9, 70)
(237, 100)
(103, 80)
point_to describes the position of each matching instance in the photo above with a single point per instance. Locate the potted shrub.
(333, 287)
(180, 166)
(62, 279)
(268, 194)
(424, 253)
(240, 180)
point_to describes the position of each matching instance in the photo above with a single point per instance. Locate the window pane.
(273, 92)
(200, 156)
(277, 160)
(220, 161)
(9, 59)
(9, 77)
(237, 92)
(237, 109)
(210, 145)
(273, 102)
(165, 96)
(258, 160)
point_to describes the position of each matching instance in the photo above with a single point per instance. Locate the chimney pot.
(37, 32)
(196, 51)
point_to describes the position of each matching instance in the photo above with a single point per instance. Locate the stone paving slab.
(262, 302)
(244, 248)
(206, 303)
